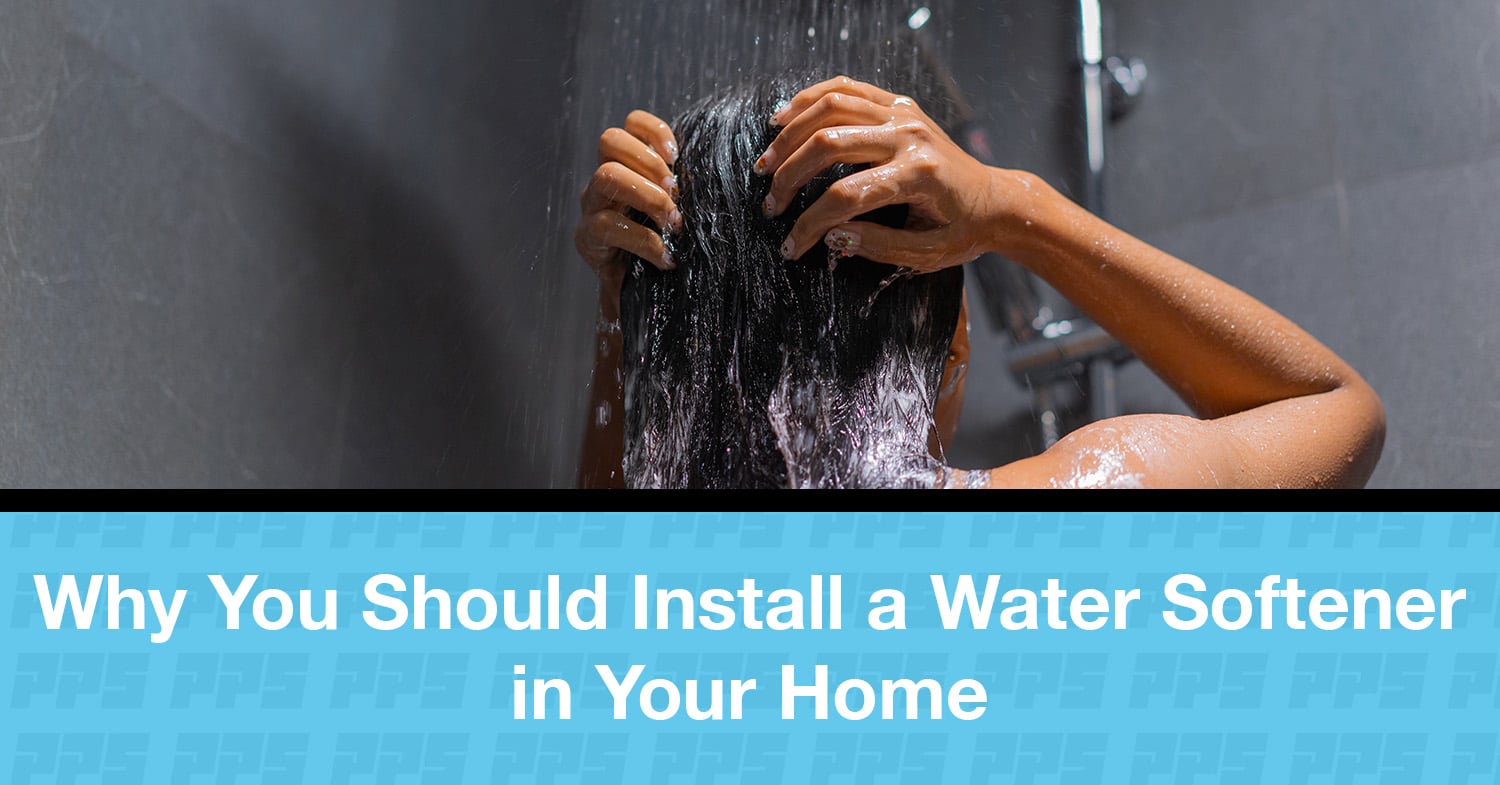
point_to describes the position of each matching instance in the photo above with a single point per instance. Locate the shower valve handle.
(1127, 80)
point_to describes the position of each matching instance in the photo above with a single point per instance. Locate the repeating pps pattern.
(1146, 704)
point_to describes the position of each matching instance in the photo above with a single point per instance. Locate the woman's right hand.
(956, 203)
(634, 173)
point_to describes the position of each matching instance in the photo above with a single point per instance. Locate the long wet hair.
(745, 370)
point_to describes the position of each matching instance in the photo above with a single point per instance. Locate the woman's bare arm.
(1275, 407)
(600, 466)
(1278, 408)
(634, 174)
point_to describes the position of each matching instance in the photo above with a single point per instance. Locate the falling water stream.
(662, 56)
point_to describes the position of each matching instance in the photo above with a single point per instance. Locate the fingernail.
(669, 184)
(768, 207)
(666, 260)
(843, 241)
(776, 116)
(671, 152)
(766, 161)
(786, 248)
(674, 220)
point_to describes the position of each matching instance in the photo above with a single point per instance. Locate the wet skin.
(1274, 407)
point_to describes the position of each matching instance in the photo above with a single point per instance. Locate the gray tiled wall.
(289, 243)
(285, 243)
(1338, 159)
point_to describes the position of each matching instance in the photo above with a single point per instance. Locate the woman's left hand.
(954, 199)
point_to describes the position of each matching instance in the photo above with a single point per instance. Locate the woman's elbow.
(1368, 418)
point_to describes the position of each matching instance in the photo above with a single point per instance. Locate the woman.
(1274, 407)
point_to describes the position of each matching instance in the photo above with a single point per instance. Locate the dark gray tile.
(438, 295)
(1413, 85)
(1425, 252)
(423, 88)
(1014, 61)
(1400, 278)
(33, 73)
(160, 333)
(1235, 111)
(1290, 255)
(1141, 391)
(219, 58)
(31, 66)
(184, 316)
(1295, 257)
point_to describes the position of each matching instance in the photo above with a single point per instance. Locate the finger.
(606, 230)
(829, 146)
(923, 251)
(834, 109)
(654, 131)
(617, 144)
(854, 195)
(615, 186)
(839, 84)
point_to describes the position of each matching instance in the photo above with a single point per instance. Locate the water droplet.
(901, 272)
(958, 376)
(601, 414)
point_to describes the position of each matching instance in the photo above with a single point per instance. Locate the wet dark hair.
(746, 370)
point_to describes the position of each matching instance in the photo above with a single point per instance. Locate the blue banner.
(756, 647)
